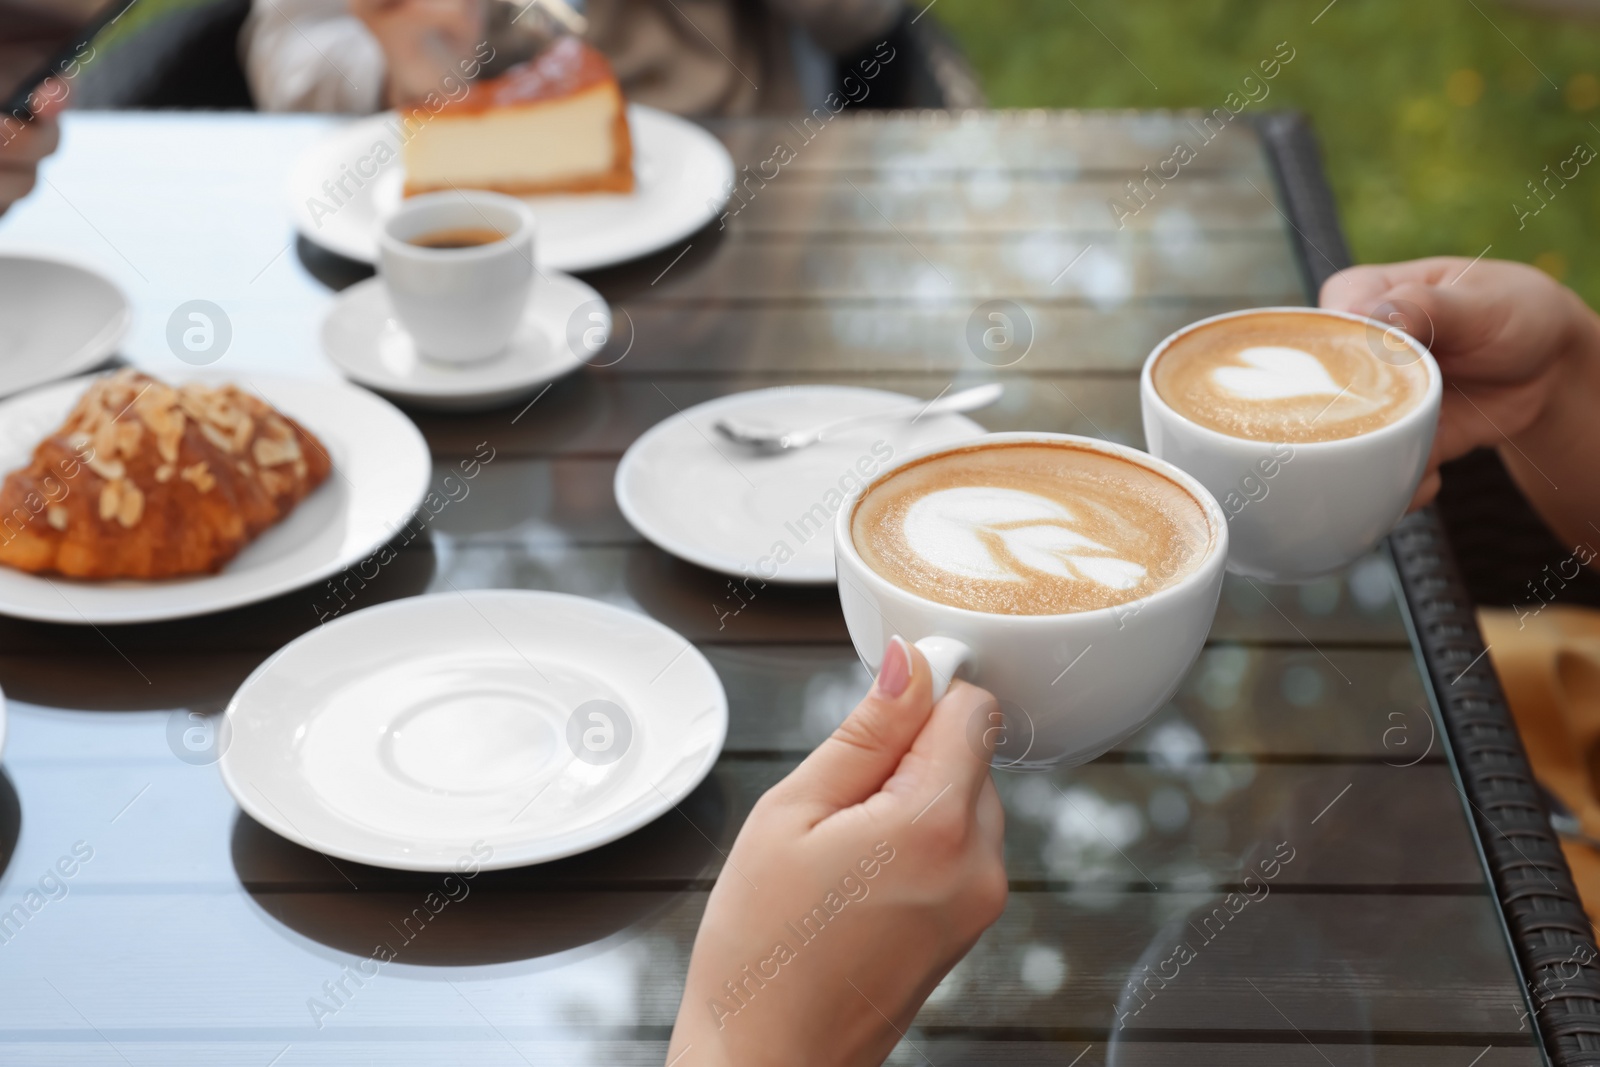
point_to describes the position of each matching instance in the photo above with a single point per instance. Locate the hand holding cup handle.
(946, 657)
(891, 835)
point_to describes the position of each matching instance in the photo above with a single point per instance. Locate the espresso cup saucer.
(727, 508)
(497, 727)
(369, 346)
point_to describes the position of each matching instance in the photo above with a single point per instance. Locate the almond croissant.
(145, 480)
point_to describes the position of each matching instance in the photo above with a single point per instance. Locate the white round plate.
(726, 508)
(56, 320)
(425, 731)
(682, 179)
(366, 342)
(380, 473)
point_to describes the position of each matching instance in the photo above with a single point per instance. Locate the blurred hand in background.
(23, 145)
(424, 43)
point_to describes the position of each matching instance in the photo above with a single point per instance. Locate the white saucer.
(380, 473)
(56, 320)
(426, 731)
(682, 178)
(717, 504)
(369, 345)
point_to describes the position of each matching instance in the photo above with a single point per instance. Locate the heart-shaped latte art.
(955, 529)
(1275, 372)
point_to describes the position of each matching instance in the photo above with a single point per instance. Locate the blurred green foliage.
(1433, 114)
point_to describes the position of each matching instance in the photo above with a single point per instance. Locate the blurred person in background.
(692, 57)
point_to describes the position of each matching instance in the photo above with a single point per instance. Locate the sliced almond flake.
(217, 437)
(105, 442)
(106, 467)
(110, 500)
(131, 508)
(167, 444)
(129, 431)
(155, 400)
(56, 515)
(276, 482)
(199, 476)
(271, 453)
(167, 424)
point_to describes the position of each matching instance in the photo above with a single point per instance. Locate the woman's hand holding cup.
(855, 885)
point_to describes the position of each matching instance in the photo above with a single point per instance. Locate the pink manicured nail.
(895, 674)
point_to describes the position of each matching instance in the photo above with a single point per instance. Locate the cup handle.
(946, 656)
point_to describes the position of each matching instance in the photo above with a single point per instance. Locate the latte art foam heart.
(1000, 535)
(1279, 376)
(1275, 372)
(1029, 529)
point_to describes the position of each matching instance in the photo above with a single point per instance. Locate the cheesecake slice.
(555, 124)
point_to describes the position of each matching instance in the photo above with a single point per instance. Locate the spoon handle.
(966, 400)
(978, 396)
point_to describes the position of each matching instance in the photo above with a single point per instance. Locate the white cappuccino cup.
(1069, 686)
(1301, 510)
(460, 304)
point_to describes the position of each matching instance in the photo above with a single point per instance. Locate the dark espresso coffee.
(1030, 528)
(463, 237)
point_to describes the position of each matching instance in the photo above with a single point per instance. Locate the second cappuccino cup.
(991, 557)
(1312, 428)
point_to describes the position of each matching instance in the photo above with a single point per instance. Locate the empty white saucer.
(501, 727)
(724, 507)
(56, 320)
(367, 343)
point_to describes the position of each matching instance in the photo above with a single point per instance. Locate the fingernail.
(895, 674)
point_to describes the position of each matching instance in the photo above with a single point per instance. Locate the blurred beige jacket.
(692, 57)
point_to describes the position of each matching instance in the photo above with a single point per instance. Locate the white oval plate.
(380, 473)
(56, 320)
(729, 509)
(682, 180)
(419, 733)
(367, 343)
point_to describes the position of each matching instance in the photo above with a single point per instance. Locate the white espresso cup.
(460, 305)
(1299, 511)
(1068, 686)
